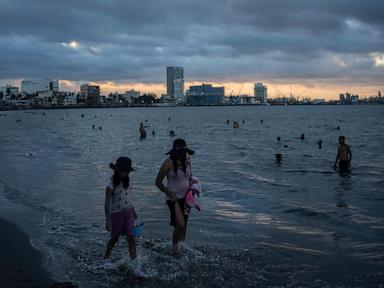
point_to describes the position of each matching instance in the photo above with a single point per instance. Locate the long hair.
(116, 180)
(183, 160)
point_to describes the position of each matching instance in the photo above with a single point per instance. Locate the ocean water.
(262, 224)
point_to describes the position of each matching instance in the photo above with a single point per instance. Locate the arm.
(349, 155)
(107, 207)
(160, 177)
(337, 157)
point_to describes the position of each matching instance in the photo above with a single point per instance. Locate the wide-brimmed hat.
(179, 147)
(123, 164)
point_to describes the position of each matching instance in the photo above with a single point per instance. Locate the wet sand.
(20, 263)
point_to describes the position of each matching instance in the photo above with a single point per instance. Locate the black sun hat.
(179, 147)
(123, 164)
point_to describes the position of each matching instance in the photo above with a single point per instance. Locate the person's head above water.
(341, 139)
(179, 149)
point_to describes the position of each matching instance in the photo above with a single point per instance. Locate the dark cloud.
(215, 40)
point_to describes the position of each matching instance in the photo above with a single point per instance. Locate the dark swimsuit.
(343, 166)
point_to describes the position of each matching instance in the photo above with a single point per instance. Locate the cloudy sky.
(307, 47)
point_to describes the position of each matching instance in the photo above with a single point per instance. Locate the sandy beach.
(20, 263)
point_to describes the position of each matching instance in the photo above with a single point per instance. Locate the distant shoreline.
(25, 108)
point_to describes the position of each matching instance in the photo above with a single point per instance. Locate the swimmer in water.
(279, 158)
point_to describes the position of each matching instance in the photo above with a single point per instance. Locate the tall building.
(90, 93)
(35, 86)
(175, 82)
(205, 94)
(260, 92)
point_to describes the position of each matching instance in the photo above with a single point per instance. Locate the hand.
(172, 196)
(108, 226)
(134, 215)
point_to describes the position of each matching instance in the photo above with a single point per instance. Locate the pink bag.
(193, 191)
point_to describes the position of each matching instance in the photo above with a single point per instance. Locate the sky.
(309, 48)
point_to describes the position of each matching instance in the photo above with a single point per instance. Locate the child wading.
(177, 169)
(119, 210)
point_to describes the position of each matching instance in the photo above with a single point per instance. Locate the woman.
(177, 169)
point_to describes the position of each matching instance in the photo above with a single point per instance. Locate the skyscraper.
(261, 92)
(175, 83)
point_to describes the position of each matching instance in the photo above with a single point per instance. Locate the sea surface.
(261, 225)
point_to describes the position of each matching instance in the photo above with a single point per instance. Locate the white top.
(121, 197)
(178, 183)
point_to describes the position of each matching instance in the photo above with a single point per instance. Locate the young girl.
(119, 211)
(177, 169)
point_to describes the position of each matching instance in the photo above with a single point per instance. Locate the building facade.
(131, 94)
(90, 93)
(9, 90)
(36, 86)
(260, 92)
(205, 94)
(175, 83)
(348, 98)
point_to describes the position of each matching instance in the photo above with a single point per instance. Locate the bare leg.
(110, 246)
(132, 246)
(179, 231)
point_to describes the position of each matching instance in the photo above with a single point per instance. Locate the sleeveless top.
(179, 183)
(121, 197)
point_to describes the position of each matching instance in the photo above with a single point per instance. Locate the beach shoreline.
(20, 263)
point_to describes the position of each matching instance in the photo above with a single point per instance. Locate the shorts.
(171, 206)
(344, 166)
(122, 223)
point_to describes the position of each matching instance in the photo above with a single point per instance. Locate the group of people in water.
(343, 157)
(119, 209)
(143, 131)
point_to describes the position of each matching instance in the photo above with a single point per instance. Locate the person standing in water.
(143, 132)
(344, 156)
(119, 211)
(177, 169)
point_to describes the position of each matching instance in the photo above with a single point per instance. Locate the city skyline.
(304, 48)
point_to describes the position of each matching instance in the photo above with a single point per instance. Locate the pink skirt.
(122, 223)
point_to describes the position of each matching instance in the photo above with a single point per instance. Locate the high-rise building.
(260, 92)
(205, 94)
(90, 93)
(35, 86)
(175, 83)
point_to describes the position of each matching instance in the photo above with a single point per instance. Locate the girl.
(177, 169)
(119, 211)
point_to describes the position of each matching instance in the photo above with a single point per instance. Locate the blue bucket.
(137, 229)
